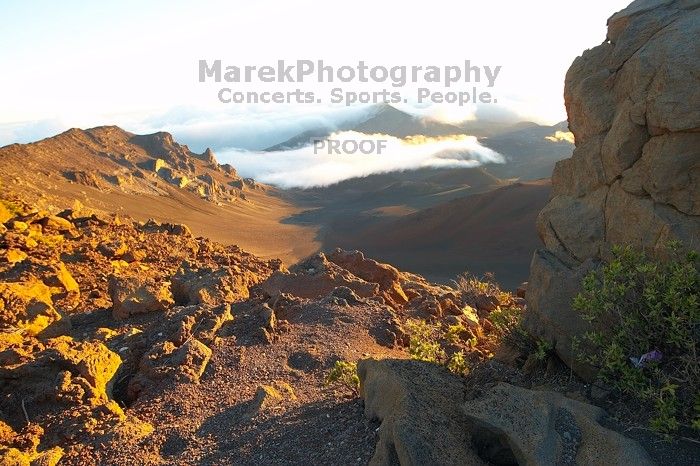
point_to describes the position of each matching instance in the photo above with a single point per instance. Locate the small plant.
(485, 285)
(457, 364)
(344, 373)
(423, 341)
(543, 349)
(696, 421)
(666, 405)
(454, 333)
(506, 320)
(645, 326)
(471, 284)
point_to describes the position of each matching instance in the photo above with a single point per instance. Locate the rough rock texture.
(634, 176)
(209, 286)
(88, 322)
(28, 307)
(315, 277)
(543, 427)
(184, 363)
(426, 420)
(411, 398)
(63, 385)
(110, 159)
(388, 278)
(131, 296)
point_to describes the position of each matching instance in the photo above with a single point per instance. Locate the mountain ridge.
(152, 176)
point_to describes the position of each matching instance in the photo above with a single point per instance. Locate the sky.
(133, 63)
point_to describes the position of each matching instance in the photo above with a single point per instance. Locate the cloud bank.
(244, 127)
(560, 136)
(251, 127)
(302, 168)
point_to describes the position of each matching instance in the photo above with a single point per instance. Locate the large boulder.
(131, 295)
(387, 277)
(418, 404)
(63, 385)
(213, 286)
(425, 419)
(544, 427)
(168, 363)
(178, 351)
(633, 177)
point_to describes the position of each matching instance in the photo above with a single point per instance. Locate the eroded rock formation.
(634, 177)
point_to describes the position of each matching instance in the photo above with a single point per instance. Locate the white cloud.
(303, 168)
(560, 136)
(248, 127)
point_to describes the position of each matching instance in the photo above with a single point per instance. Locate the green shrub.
(457, 364)
(543, 349)
(506, 320)
(344, 373)
(635, 306)
(423, 344)
(454, 333)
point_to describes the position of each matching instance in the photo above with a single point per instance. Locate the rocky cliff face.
(634, 177)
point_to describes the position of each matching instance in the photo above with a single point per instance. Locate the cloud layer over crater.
(308, 167)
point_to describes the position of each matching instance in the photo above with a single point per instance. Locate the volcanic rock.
(132, 296)
(507, 425)
(28, 307)
(317, 277)
(633, 177)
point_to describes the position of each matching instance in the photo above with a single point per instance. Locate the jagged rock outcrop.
(634, 177)
(411, 398)
(132, 296)
(28, 308)
(388, 278)
(545, 427)
(55, 391)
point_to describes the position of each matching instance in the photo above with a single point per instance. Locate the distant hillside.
(413, 188)
(152, 176)
(109, 159)
(488, 232)
(393, 122)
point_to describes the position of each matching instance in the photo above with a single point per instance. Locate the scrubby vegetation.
(645, 325)
(486, 285)
(344, 374)
(424, 344)
(430, 341)
(463, 341)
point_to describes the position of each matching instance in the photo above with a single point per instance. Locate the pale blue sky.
(78, 63)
